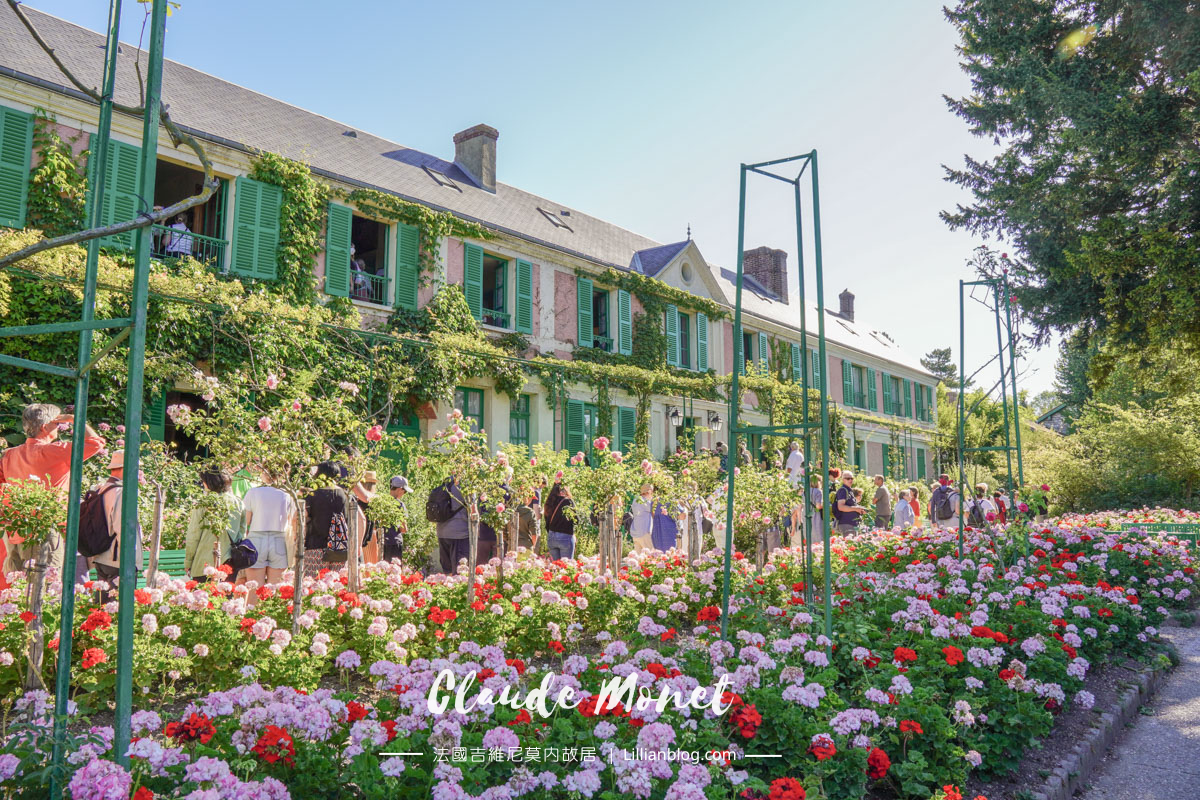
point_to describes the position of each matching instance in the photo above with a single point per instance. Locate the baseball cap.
(400, 482)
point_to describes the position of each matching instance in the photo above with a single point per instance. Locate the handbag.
(242, 555)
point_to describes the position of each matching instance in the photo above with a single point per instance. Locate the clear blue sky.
(640, 112)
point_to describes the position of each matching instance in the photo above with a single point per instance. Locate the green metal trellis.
(133, 328)
(1008, 382)
(805, 161)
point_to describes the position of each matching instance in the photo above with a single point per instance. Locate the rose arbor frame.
(804, 161)
(999, 290)
(132, 328)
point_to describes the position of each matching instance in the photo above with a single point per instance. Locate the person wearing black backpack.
(447, 508)
(108, 563)
(944, 504)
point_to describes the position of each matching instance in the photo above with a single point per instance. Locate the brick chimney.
(847, 301)
(769, 268)
(475, 154)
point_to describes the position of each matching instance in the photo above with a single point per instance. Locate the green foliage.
(301, 223)
(1094, 109)
(1127, 456)
(432, 225)
(31, 511)
(940, 361)
(655, 295)
(57, 186)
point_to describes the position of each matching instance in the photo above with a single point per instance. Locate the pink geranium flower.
(264, 424)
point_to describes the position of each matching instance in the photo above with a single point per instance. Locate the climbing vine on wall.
(57, 185)
(433, 225)
(301, 223)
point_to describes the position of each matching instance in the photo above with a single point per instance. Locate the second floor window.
(601, 337)
(495, 292)
(685, 341)
(860, 382)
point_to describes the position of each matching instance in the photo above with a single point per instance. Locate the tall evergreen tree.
(940, 361)
(1096, 107)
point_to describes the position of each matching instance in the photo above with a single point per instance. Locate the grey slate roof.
(760, 303)
(225, 111)
(650, 262)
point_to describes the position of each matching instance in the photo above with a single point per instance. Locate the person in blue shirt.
(664, 531)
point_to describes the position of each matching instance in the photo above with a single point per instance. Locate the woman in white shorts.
(270, 514)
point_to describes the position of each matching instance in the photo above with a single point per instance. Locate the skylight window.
(847, 327)
(441, 179)
(556, 219)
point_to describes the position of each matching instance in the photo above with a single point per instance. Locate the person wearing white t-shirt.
(270, 514)
(643, 518)
(795, 473)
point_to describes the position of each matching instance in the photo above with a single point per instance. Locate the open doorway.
(368, 260)
(198, 232)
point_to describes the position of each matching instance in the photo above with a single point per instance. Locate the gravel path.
(1159, 757)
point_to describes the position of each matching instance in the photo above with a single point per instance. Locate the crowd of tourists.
(250, 526)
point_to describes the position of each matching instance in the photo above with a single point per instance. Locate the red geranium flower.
(878, 764)
(93, 656)
(786, 789)
(27, 617)
(748, 720)
(196, 727)
(910, 725)
(903, 654)
(556, 645)
(668, 635)
(389, 725)
(522, 718)
(517, 664)
(355, 711)
(953, 655)
(143, 794)
(98, 619)
(1007, 674)
(142, 597)
(952, 793)
(708, 614)
(275, 744)
(823, 750)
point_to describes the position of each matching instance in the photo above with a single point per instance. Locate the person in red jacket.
(43, 458)
(1001, 509)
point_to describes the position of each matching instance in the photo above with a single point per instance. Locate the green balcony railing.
(604, 343)
(500, 319)
(172, 243)
(367, 287)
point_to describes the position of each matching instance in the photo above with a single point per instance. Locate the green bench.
(1185, 530)
(169, 561)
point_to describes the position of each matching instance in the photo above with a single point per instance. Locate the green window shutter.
(872, 397)
(887, 393)
(886, 461)
(701, 341)
(739, 341)
(763, 359)
(928, 404)
(908, 407)
(16, 146)
(256, 229)
(816, 368)
(524, 321)
(585, 335)
(624, 323)
(626, 428)
(154, 416)
(473, 278)
(672, 330)
(408, 265)
(847, 383)
(920, 462)
(797, 364)
(920, 402)
(121, 184)
(574, 428)
(337, 251)
(266, 265)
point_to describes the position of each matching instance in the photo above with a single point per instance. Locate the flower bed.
(938, 667)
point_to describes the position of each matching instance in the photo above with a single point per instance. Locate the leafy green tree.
(1093, 105)
(940, 361)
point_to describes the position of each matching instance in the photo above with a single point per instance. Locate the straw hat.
(117, 461)
(370, 478)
